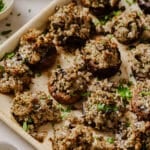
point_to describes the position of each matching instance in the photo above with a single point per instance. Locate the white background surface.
(23, 11)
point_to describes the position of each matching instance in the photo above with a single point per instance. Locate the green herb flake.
(25, 126)
(49, 97)
(101, 107)
(64, 111)
(130, 2)
(116, 13)
(9, 55)
(106, 17)
(124, 92)
(96, 22)
(110, 140)
(96, 137)
(145, 93)
(6, 32)
(64, 115)
(1, 5)
(107, 108)
(86, 94)
(146, 28)
(110, 36)
(103, 21)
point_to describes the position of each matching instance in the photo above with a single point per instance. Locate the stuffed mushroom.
(70, 25)
(36, 49)
(127, 27)
(102, 57)
(37, 107)
(103, 108)
(100, 7)
(68, 85)
(141, 100)
(140, 62)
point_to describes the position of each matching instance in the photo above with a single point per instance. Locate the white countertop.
(23, 11)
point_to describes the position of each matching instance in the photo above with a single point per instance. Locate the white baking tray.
(5, 101)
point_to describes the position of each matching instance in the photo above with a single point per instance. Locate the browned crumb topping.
(146, 29)
(99, 3)
(102, 56)
(70, 25)
(127, 27)
(68, 85)
(10, 83)
(104, 107)
(15, 76)
(35, 46)
(140, 62)
(134, 135)
(141, 100)
(76, 138)
(100, 7)
(37, 107)
(14, 66)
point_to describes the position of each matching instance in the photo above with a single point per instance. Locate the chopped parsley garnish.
(49, 97)
(116, 13)
(106, 108)
(10, 55)
(96, 137)
(103, 20)
(124, 92)
(64, 111)
(96, 22)
(25, 126)
(146, 28)
(110, 36)
(110, 140)
(130, 2)
(1, 5)
(6, 32)
(145, 93)
(86, 94)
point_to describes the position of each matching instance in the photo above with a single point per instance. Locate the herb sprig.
(125, 93)
(110, 140)
(106, 108)
(65, 111)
